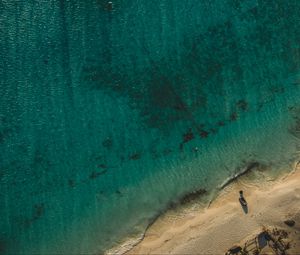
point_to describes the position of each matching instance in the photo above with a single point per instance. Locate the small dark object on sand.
(234, 250)
(290, 223)
(242, 199)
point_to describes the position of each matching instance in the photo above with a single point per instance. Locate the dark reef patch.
(71, 183)
(107, 143)
(233, 116)
(118, 192)
(135, 156)
(242, 105)
(204, 133)
(4, 133)
(220, 123)
(95, 175)
(103, 166)
(188, 136)
(39, 211)
(295, 126)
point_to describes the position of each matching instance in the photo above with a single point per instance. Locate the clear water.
(108, 113)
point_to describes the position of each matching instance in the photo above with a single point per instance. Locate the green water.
(110, 113)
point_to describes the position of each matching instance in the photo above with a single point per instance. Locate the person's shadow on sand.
(243, 202)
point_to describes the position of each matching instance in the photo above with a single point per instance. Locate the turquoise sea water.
(109, 113)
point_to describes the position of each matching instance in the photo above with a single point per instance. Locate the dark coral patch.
(181, 146)
(94, 174)
(118, 192)
(4, 134)
(135, 156)
(71, 183)
(221, 123)
(179, 106)
(188, 136)
(242, 105)
(103, 166)
(233, 116)
(107, 143)
(39, 211)
(204, 134)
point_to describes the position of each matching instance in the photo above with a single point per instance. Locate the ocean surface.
(110, 113)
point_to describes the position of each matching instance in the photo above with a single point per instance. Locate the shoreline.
(174, 230)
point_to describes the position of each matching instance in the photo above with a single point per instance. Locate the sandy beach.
(225, 223)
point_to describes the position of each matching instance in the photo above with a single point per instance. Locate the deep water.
(110, 113)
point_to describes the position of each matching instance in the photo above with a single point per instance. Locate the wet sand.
(225, 223)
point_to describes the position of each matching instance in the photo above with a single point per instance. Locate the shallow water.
(108, 114)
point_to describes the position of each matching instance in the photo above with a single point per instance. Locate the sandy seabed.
(225, 223)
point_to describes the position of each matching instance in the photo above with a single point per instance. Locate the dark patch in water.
(251, 166)
(40, 162)
(164, 96)
(233, 116)
(204, 134)
(4, 134)
(221, 123)
(159, 101)
(154, 154)
(275, 90)
(107, 143)
(39, 211)
(295, 127)
(188, 136)
(95, 175)
(191, 196)
(242, 105)
(181, 146)
(103, 166)
(135, 156)
(291, 108)
(209, 52)
(71, 183)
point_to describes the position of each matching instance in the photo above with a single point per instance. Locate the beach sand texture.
(225, 223)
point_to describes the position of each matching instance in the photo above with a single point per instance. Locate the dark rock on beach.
(290, 223)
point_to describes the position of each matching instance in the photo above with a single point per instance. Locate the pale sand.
(216, 229)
